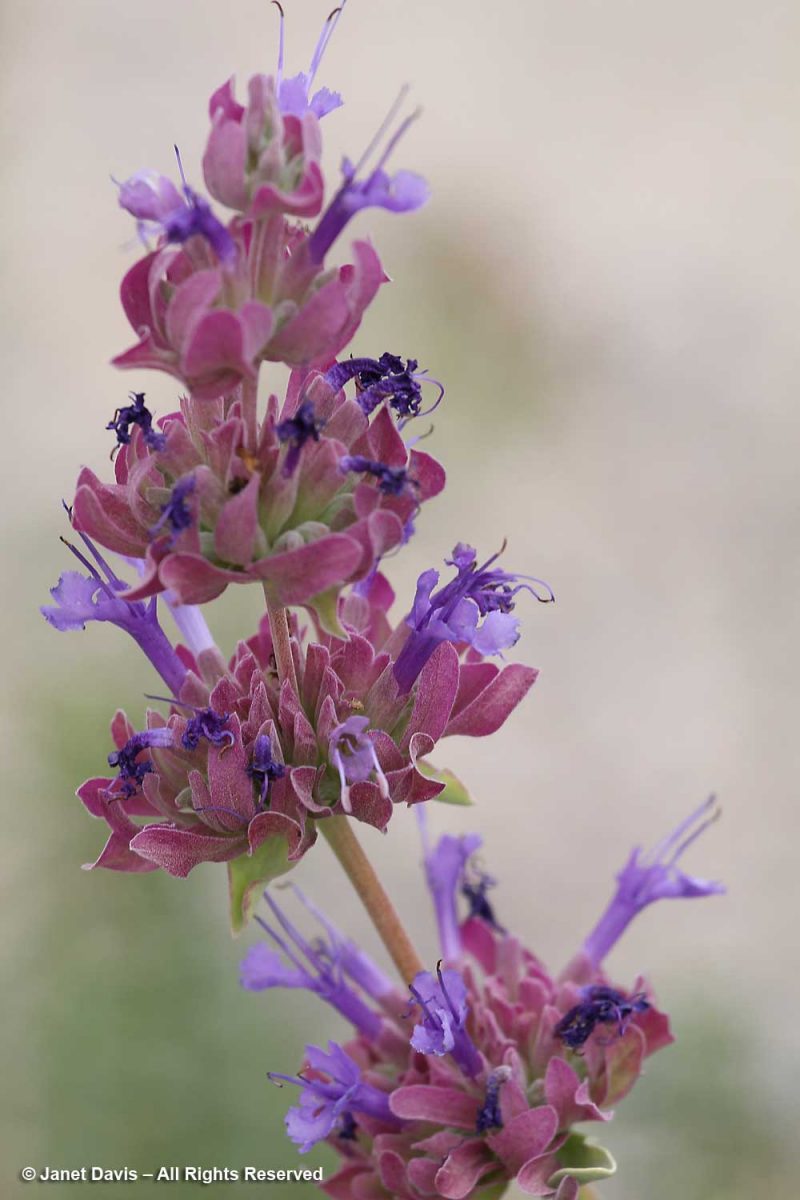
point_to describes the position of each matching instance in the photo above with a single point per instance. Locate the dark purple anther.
(296, 431)
(195, 219)
(392, 481)
(263, 767)
(600, 1006)
(386, 378)
(209, 725)
(490, 1116)
(132, 770)
(474, 891)
(136, 414)
(176, 512)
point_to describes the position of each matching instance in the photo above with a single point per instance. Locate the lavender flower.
(160, 208)
(332, 1090)
(402, 192)
(443, 1001)
(474, 608)
(294, 96)
(647, 877)
(322, 967)
(354, 756)
(444, 871)
(95, 597)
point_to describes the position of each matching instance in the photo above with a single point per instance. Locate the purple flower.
(293, 93)
(136, 414)
(263, 768)
(474, 608)
(322, 966)
(332, 1091)
(353, 754)
(444, 870)
(160, 208)
(402, 192)
(392, 481)
(95, 597)
(386, 378)
(443, 1001)
(599, 1005)
(132, 768)
(296, 431)
(651, 876)
(176, 512)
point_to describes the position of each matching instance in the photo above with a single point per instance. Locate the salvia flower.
(162, 210)
(211, 508)
(651, 876)
(332, 1095)
(330, 966)
(474, 609)
(294, 93)
(353, 754)
(486, 1076)
(442, 1027)
(402, 192)
(95, 595)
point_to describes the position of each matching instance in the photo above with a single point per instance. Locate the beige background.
(607, 281)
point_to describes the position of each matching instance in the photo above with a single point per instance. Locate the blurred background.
(606, 279)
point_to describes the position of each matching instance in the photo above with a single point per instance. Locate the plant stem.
(339, 832)
(281, 643)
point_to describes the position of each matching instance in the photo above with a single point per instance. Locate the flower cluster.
(472, 1074)
(246, 764)
(478, 1076)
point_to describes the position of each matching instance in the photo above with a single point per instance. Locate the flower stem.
(339, 832)
(281, 643)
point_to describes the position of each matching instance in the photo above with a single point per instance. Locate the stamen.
(385, 124)
(328, 30)
(279, 72)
